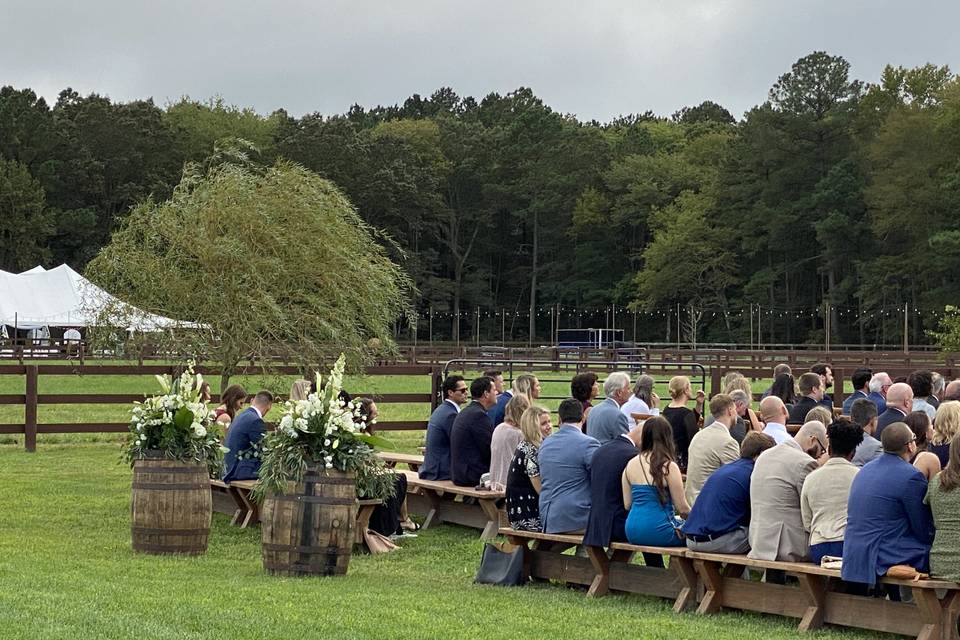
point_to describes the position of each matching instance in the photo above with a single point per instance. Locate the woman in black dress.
(523, 477)
(684, 422)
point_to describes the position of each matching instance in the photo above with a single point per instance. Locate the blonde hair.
(300, 390)
(739, 384)
(819, 414)
(515, 408)
(523, 384)
(946, 425)
(530, 424)
(677, 385)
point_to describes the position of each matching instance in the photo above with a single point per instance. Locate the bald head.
(897, 438)
(772, 409)
(953, 390)
(900, 395)
(812, 438)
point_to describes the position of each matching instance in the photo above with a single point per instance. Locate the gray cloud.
(594, 60)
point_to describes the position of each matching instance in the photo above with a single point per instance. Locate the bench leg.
(939, 617)
(601, 565)
(688, 573)
(493, 519)
(241, 511)
(815, 588)
(253, 511)
(434, 508)
(713, 582)
(363, 521)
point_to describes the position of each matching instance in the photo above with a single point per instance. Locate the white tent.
(61, 297)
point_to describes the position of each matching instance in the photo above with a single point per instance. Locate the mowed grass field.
(67, 572)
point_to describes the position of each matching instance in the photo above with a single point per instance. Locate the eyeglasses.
(823, 449)
(461, 389)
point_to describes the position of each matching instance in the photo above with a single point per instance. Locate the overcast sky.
(595, 60)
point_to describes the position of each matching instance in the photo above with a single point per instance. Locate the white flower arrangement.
(176, 424)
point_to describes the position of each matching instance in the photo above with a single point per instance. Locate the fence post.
(435, 382)
(715, 381)
(30, 409)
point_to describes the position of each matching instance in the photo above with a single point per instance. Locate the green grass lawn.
(67, 572)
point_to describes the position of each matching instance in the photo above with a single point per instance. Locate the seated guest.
(526, 384)
(899, 404)
(819, 414)
(863, 413)
(861, 388)
(504, 443)
(653, 489)
(811, 390)
(952, 391)
(436, 458)
(785, 388)
(584, 388)
(644, 400)
(390, 518)
(774, 414)
(231, 402)
(823, 499)
(712, 446)
(926, 462)
(523, 478)
(945, 429)
(779, 370)
(887, 522)
(471, 435)
(683, 421)
(719, 521)
(921, 382)
(825, 371)
(606, 421)
(776, 524)
(944, 503)
(300, 389)
(742, 393)
(938, 384)
(878, 386)
(242, 461)
(503, 396)
(565, 459)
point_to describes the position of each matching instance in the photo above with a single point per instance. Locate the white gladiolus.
(199, 430)
(286, 423)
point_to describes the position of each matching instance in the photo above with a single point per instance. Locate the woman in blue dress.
(653, 489)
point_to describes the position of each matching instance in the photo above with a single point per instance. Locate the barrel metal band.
(301, 568)
(151, 531)
(201, 471)
(319, 478)
(192, 550)
(162, 486)
(317, 499)
(269, 546)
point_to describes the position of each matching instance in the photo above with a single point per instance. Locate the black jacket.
(470, 445)
(607, 515)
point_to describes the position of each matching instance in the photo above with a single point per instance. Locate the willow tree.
(261, 262)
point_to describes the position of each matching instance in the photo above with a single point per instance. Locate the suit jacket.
(776, 524)
(499, 410)
(877, 398)
(711, 448)
(887, 522)
(246, 430)
(607, 515)
(470, 445)
(888, 417)
(565, 462)
(867, 451)
(850, 399)
(607, 421)
(801, 408)
(436, 459)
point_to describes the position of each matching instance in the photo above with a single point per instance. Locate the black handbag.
(504, 568)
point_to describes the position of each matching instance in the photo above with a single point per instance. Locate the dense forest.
(831, 204)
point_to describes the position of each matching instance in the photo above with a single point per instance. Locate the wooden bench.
(606, 570)
(392, 459)
(443, 501)
(247, 511)
(816, 601)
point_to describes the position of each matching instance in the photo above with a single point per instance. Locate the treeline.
(832, 194)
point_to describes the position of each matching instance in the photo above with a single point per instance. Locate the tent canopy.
(61, 297)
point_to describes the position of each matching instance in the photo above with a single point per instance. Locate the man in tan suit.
(776, 524)
(712, 446)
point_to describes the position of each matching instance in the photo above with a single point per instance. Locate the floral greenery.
(177, 424)
(325, 432)
(948, 337)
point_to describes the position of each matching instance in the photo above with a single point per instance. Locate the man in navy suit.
(899, 404)
(471, 435)
(606, 421)
(811, 387)
(825, 372)
(861, 388)
(503, 397)
(245, 431)
(436, 459)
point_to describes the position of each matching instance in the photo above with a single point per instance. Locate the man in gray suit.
(863, 413)
(776, 524)
(713, 446)
(606, 421)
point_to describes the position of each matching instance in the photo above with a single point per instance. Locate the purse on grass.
(499, 567)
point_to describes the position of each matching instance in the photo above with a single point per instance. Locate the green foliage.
(261, 260)
(948, 335)
(202, 125)
(25, 222)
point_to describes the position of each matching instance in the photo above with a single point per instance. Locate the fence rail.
(31, 399)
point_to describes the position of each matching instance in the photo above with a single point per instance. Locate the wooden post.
(30, 409)
(435, 383)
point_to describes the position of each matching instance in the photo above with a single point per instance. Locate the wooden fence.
(31, 398)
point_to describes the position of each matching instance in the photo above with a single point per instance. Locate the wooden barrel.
(171, 507)
(310, 529)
